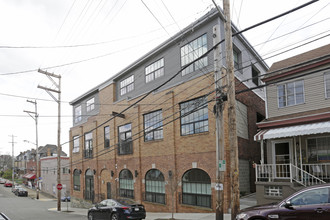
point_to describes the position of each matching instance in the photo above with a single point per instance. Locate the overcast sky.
(87, 42)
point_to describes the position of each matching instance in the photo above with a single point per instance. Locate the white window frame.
(154, 70)
(294, 94)
(77, 114)
(76, 144)
(127, 85)
(90, 104)
(327, 85)
(237, 56)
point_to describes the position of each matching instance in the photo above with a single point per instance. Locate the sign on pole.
(59, 186)
(222, 165)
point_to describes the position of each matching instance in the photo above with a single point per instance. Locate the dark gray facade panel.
(172, 65)
(84, 114)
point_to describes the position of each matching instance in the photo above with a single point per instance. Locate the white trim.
(279, 142)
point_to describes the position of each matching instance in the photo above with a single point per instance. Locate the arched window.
(196, 188)
(76, 180)
(155, 186)
(126, 185)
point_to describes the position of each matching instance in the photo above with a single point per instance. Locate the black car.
(21, 192)
(309, 203)
(117, 210)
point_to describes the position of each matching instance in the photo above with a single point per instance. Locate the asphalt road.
(19, 208)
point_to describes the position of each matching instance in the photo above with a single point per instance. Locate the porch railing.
(270, 172)
(320, 170)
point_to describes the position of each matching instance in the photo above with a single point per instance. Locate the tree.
(7, 174)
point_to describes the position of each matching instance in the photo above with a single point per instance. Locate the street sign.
(218, 187)
(222, 165)
(59, 186)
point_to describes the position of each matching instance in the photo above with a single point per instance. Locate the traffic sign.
(59, 186)
(222, 165)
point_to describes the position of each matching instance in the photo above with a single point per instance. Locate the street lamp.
(35, 115)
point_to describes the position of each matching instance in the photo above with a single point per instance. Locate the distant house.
(49, 150)
(48, 175)
(27, 164)
(295, 136)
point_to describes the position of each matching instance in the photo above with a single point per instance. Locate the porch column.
(262, 151)
(295, 151)
(301, 167)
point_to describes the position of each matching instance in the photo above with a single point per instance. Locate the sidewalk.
(245, 202)
(42, 196)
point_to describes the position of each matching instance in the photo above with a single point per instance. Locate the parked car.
(65, 198)
(21, 192)
(309, 203)
(3, 216)
(8, 184)
(2, 181)
(15, 188)
(117, 210)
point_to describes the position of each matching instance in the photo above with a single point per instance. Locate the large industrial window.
(153, 126)
(127, 85)
(126, 184)
(88, 152)
(155, 186)
(191, 52)
(125, 139)
(196, 188)
(194, 116)
(154, 70)
(291, 93)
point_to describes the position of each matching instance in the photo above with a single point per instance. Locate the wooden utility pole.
(233, 145)
(59, 147)
(219, 125)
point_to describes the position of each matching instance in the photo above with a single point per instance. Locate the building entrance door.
(89, 185)
(282, 158)
(108, 190)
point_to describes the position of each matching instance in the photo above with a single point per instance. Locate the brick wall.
(174, 152)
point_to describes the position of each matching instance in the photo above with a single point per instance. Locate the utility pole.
(59, 147)
(233, 145)
(35, 117)
(13, 160)
(219, 125)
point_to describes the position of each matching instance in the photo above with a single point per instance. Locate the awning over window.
(29, 176)
(291, 131)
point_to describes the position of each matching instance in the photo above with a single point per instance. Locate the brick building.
(158, 145)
